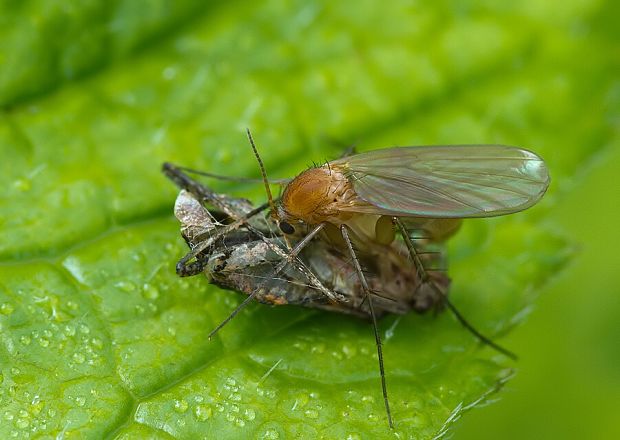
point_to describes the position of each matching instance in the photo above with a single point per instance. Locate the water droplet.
(84, 329)
(180, 406)
(80, 401)
(311, 413)
(240, 422)
(22, 423)
(231, 381)
(72, 305)
(78, 358)
(8, 415)
(25, 339)
(6, 308)
(125, 286)
(69, 331)
(373, 417)
(354, 436)
(234, 408)
(47, 333)
(36, 407)
(97, 343)
(235, 397)
(271, 434)
(368, 399)
(203, 412)
(219, 407)
(199, 399)
(337, 355)
(349, 350)
(44, 342)
(249, 414)
(149, 291)
(318, 348)
(172, 331)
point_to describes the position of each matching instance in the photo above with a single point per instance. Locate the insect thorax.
(318, 195)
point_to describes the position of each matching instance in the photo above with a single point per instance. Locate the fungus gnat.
(343, 218)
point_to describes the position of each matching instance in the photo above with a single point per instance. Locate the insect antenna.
(425, 278)
(358, 269)
(272, 205)
(232, 178)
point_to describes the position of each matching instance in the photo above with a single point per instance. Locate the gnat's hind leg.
(427, 282)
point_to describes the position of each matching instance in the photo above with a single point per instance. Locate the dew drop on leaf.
(6, 308)
(249, 414)
(271, 434)
(22, 423)
(180, 406)
(202, 412)
(44, 342)
(149, 291)
(311, 413)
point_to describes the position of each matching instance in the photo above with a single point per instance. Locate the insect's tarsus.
(476, 333)
(366, 289)
(425, 278)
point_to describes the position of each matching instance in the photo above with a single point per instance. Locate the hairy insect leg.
(427, 282)
(279, 268)
(362, 278)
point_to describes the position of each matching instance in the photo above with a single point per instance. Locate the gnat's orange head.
(314, 196)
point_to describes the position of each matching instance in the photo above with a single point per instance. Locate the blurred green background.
(94, 95)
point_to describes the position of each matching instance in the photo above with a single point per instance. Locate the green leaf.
(100, 338)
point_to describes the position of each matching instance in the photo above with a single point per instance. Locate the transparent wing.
(446, 181)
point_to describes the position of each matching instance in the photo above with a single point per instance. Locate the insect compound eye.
(287, 228)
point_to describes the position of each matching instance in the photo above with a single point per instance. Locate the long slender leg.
(362, 278)
(279, 268)
(426, 280)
